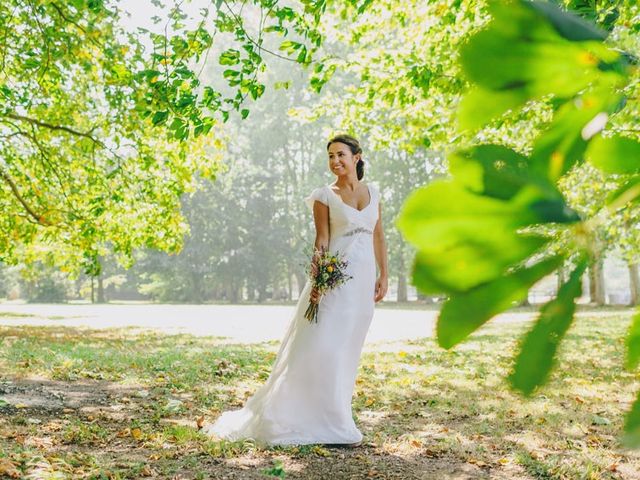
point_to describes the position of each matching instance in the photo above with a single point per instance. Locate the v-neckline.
(354, 208)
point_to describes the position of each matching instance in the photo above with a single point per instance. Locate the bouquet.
(327, 271)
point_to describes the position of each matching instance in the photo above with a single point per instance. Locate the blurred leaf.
(465, 312)
(470, 262)
(479, 106)
(564, 143)
(494, 170)
(628, 192)
(465, 239)
(615, 154)
(538, 348)
(633, 343)
(631, 438)
(569, 25)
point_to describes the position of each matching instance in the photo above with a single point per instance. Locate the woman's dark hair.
(354, 146)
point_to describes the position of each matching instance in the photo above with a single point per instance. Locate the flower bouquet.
(327, 271)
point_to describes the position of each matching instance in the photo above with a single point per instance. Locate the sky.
(143, 11)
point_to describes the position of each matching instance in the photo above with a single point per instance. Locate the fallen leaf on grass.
(200, 422)
(321, 451)
(8, 469)
(147, 471)
(430, 453)
(136, 433)
(478, 462)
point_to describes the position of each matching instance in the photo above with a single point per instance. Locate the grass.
(425, 412)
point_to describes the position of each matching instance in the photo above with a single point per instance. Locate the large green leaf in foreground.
(539, 346)
(480, 235)
(464, 313)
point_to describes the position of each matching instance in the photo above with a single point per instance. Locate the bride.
(307, 397)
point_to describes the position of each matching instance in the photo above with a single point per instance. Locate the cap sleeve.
(319, 194)
(375, 191)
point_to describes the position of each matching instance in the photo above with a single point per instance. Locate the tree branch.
(50, 126)
(39, 218)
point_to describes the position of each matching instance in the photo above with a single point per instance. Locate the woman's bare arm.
(380, 250)
(321, 220)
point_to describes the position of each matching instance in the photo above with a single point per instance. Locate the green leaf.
(465, 239)
(493, 170)
(565, 141)
(536, 357)
(479, 105)
(569, 25)
(522, 56)
(615, 154)
(628, 192)
(471, 261)
(159, 117)
(230, 57)
(632, 342)
(465, 312)
(631, 438)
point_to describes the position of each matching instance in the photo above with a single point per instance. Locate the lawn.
(121, 403)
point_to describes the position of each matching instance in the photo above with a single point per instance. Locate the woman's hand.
(381, 288)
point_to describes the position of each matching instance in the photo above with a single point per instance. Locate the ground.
(121, 402)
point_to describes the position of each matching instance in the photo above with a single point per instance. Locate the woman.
(307, 397)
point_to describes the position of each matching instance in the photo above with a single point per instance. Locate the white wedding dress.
(307, 397)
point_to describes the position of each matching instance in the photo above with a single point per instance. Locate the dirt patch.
(52, 397)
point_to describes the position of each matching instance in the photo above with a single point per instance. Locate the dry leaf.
(8, 469)
(147, 471)
(136, 433)
(200, 422)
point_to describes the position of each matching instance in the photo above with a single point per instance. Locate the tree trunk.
(402, 277)
(634, 283)
(596, 282)
(100, 289)
(402, 288)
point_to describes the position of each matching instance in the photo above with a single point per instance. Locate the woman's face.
(341, 161)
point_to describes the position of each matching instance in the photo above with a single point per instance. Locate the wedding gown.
(307, 397)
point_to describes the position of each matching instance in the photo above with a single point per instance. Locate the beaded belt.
(356, 230)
